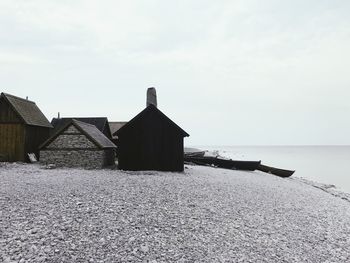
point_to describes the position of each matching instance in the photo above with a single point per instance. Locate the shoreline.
(326, 165)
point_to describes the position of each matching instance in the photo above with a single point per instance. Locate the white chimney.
(151, 97)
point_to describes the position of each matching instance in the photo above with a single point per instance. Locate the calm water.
(324, 164)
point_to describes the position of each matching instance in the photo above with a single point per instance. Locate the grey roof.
(99, 122)
(94, 134)
(89, 130)
(116, 125)
(27, 111)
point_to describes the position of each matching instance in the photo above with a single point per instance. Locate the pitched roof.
(116, 125)
(27, 111)
(95, 134)
(147, 110)
(99, 122)
(89, 130)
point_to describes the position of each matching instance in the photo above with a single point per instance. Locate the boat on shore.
(222, 163)
(275, 171)
(196, 156)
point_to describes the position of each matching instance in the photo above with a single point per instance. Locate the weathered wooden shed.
(101, 123)
(151, 141)
(23, 127)
(78, 144)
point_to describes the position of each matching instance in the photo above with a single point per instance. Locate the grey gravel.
(202, 215)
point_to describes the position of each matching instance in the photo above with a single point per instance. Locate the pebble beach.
(202, 215)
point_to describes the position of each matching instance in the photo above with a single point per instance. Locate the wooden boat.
(275, 171)
(194, 154)
(223, 163)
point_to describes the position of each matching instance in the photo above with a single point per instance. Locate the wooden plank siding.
(11, 134)
(8, 115)
(12, 142)
(152, 143)
(17, 138)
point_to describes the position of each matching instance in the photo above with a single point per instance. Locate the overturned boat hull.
(276, 171)
(223, 163)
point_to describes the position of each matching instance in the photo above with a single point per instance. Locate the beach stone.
(202, 215)
(144, 248)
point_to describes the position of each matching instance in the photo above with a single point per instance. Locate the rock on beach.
(201, 215)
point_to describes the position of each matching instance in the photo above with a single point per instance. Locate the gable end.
(151, 109)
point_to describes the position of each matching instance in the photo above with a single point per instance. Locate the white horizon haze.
(228, 72)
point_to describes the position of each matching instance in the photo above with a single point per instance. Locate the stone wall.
(90, 159)
(73, 149)
(71, 141)
(71, 129)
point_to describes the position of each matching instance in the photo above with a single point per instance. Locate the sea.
(321, 164)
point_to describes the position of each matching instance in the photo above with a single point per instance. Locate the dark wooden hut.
(78, 144)
(23, 127)
(101, 123)
(151, 141)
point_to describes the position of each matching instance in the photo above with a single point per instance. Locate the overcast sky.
(247, 72)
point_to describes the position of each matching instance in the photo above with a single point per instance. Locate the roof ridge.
(16, 97)
(117, 121)
(26, 110)
(76, 117)
(84, 123)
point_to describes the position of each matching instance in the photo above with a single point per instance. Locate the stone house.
(78, 144)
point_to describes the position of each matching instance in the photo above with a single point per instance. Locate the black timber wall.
(11, 142)
(34, 137)
(109, 157)
(151, 144)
